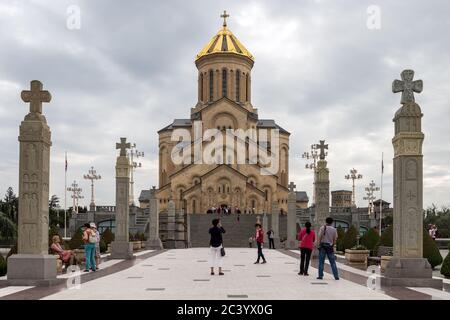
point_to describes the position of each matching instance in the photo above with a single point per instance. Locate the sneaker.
(300, 273)
(319, 278)
(221, 273)
(306, 274)
(212, 273)
(86, 271)
(336, 278)
(256, 262)
(264, 261)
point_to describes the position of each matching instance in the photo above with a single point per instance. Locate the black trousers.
(260, 253)
(305, 256)
(271, 243)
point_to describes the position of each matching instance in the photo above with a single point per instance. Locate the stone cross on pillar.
(407, 86)
(291, 242)
(121, 247)
(408, 267)
(36, 96)
(33, 265)
(322, 146)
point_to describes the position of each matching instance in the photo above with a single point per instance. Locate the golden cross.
(225, 15)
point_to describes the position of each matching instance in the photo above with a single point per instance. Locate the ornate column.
(32, 265)
(291, 242)
(153, 241)
(276, 223)
(121, 247)
(408, 267)
(322, 187)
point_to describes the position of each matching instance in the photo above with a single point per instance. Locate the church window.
(201, 87)
(211, 85)
(238, 86)
(266, 195)
(247, 87)
(224, 82)
(219, 189)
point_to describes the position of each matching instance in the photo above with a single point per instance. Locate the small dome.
(224, 42)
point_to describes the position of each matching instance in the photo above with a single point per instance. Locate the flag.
(65, 166)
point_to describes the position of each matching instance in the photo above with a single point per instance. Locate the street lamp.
(370, 197)
(76, 194)
(354, 175)
(312, 155)
(133, 153)
(92, 175)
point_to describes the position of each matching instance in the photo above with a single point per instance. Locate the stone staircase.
(237, 233)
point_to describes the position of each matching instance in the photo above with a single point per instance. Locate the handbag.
(222, 251)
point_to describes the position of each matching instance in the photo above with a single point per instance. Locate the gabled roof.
(301, 196)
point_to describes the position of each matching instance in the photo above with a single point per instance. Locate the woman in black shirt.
(216, 245)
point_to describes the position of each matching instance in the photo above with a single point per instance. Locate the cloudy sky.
(320, 72)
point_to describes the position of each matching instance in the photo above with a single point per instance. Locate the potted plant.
(357, 254)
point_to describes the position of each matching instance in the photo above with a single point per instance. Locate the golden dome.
(224, 42)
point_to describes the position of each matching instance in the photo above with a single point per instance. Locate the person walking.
(250, 242)
(307, 237)
(90, 239)
(327, 239)
(259, 242)
(271, 236)
(216, 245)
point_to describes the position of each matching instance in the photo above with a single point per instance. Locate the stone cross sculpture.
(121, 247)
(322, 146)
(408, 267)
(291, 242)
(123, 146)
(407, 86)
(33, 265)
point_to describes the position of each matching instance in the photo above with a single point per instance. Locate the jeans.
(327, 250)
(260, 253)
(271, 243)
(89, 250)
(305, 256)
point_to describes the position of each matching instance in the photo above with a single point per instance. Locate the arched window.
(238, 85)
(247, 87)
(201, 87)
(224, 82)
(211, 85)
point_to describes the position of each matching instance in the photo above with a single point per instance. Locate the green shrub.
(431, 250)
(103, 246)
(12, 251)
(445, 268)
(350, 239)
(77, 240)
(107, 236)
(370, 239)
(3, 266)
(340, 239)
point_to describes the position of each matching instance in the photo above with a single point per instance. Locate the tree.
(431, 250)
(8, 228)
(445, 268)
(350, 238)
(340, 239)
(77, 240)
(370, 239)
(107, 236)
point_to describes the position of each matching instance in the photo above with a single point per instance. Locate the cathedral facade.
(224, 103)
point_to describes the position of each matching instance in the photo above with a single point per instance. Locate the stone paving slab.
(175, 279)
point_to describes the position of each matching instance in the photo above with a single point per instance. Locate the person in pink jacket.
(306, 238)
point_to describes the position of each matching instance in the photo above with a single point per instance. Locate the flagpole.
(381, 191)
(65, 196)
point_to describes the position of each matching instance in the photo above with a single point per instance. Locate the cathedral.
(224, 102)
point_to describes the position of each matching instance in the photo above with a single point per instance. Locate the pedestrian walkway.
(184, 274)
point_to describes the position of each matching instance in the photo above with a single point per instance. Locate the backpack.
(92, 237)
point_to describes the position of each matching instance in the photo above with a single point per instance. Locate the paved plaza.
(184, 274)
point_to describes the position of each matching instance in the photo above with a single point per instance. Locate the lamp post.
(370, 197)
(312, 155)
(92, 175)
(354, 175)
(133, 153)
(76, 194)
